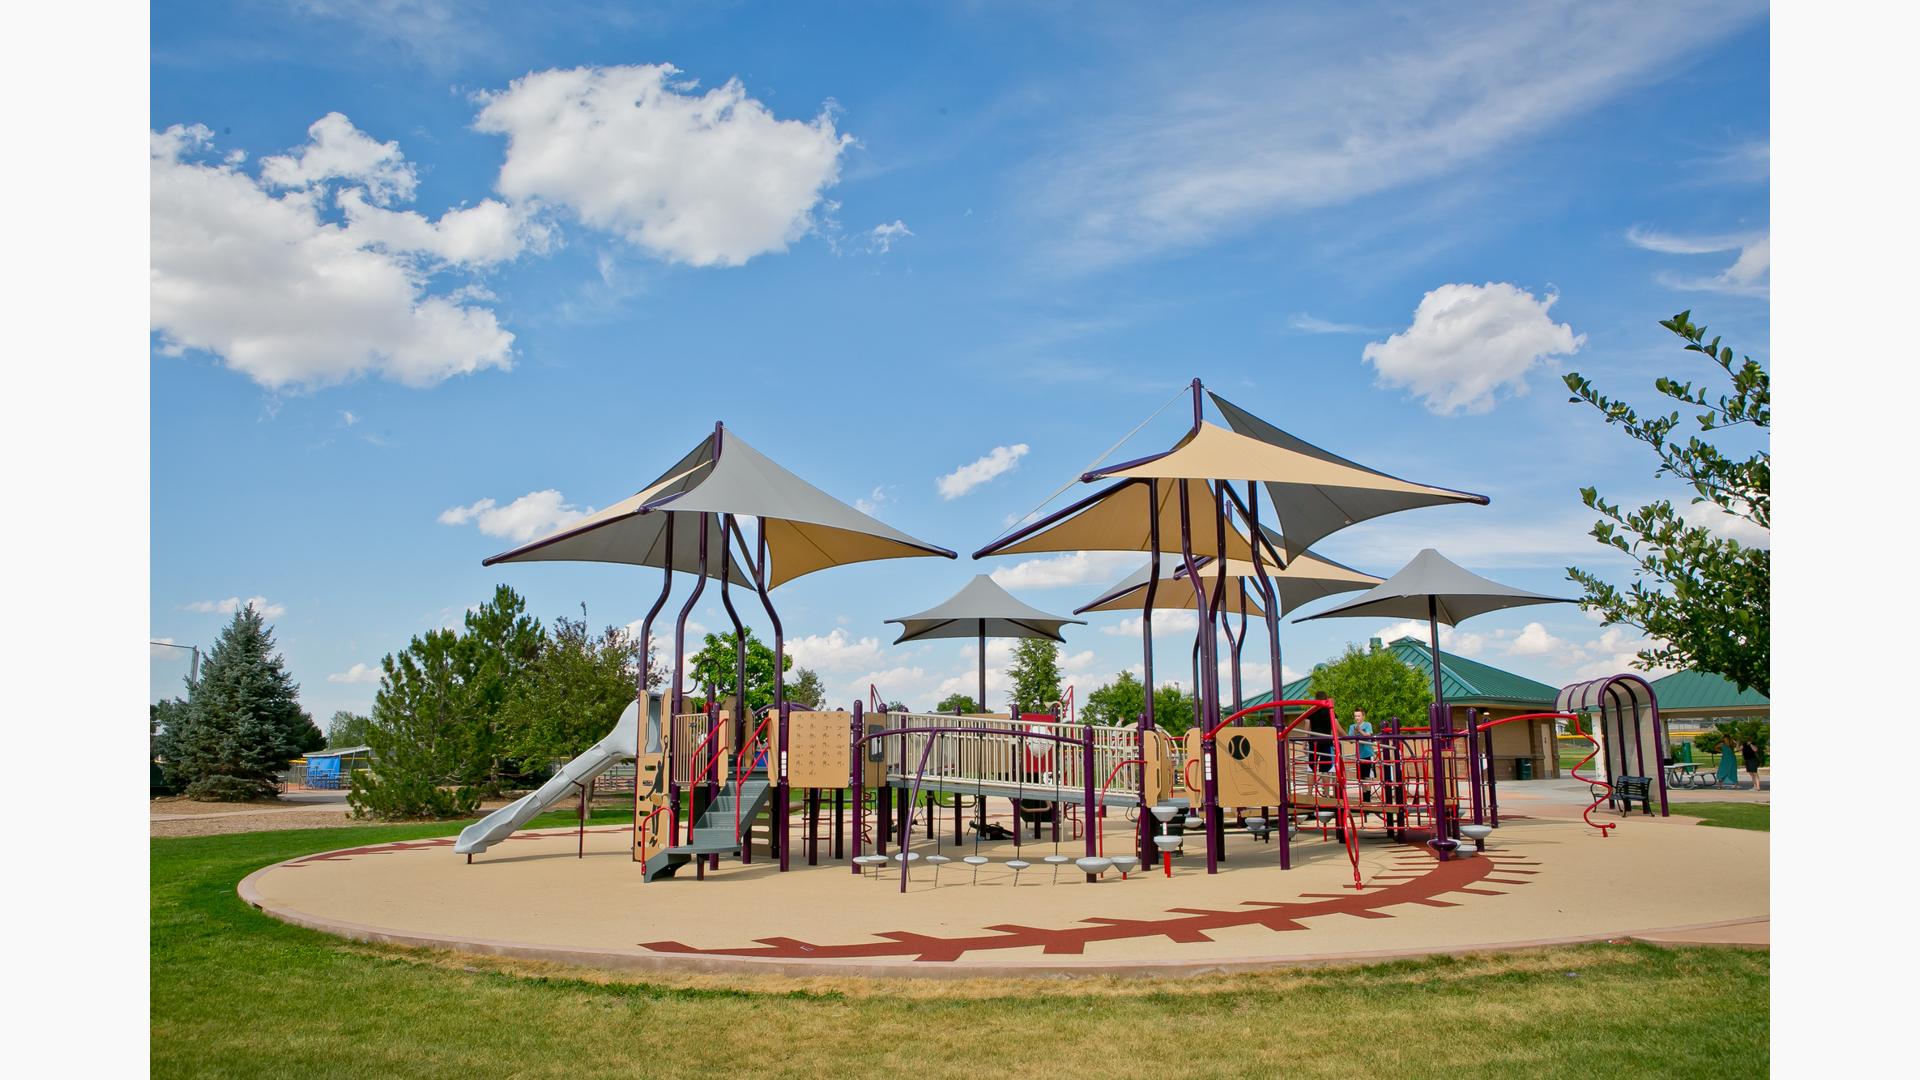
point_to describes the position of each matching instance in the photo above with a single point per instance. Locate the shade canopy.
(1174, 593)
(805, 528)
(1118, 518)
(982, 609)
(1318, 493)
(1456, 593)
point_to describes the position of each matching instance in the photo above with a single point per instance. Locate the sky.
(430, 280)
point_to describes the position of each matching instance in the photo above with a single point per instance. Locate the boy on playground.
(1364, 728)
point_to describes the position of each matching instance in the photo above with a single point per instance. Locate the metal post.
(1473, 763)
(839, 815)
(646, 707)
(1270, 601)
(1660, 745)
(857, 777)
(1493, 772)
(1205, 699)
(1087, 814)
(1438, 724)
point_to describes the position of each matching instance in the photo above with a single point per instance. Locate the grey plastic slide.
(603, 755)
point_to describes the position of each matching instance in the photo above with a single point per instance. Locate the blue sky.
(394, 277)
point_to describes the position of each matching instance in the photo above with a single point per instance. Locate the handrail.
(695, 756)
(641, 830)
(739, 777)
(1318, 703)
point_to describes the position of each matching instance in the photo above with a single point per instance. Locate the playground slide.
(617, 747)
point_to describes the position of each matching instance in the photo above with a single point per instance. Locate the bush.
(404, 798)
(222, 788)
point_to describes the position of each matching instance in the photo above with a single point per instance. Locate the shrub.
(222, 788)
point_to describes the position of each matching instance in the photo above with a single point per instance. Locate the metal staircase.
(714, 832)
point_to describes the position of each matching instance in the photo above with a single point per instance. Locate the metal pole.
(857, 777)
(1144, 828)
(983, 666)
(1204, 701)
(1093, 822)
(1493, 787)
(1438, 723)
(1283, 826)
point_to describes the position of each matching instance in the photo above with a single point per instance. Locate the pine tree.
(491, 659)
(421, 735)
(242, 722)
(571, 695)
(1036, 675)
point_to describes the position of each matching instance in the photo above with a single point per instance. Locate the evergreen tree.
(806, 690)
(572, 694)
(500, 644)
(1036, 675)
(421, 735)
(241, 723)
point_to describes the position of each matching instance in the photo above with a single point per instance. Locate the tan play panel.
(1545, 877)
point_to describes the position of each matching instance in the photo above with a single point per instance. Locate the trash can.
(1523, 768)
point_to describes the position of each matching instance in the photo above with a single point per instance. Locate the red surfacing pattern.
(1413, 876)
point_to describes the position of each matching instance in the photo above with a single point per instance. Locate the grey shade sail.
(1456, 593)
(1307, 578)
(982, 609)
(805, 528)
(1308, 513)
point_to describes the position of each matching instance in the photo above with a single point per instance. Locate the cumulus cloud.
(1074, 568)
(358, 673)
(232, 604)
(336, 150)
(709, 179)
(1747, 276)
(872, 503)
(1170, 621)
(1534, 640)
(835, 651)
(999, 460)
(536, 513)
(1470, 342)
(273, 288)
(1726, 526)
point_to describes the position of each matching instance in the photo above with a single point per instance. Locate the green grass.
(238, 994)
(1727, 815)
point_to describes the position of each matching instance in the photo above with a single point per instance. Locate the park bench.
(1628, 788)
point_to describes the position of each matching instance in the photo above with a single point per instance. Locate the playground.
(877, 841)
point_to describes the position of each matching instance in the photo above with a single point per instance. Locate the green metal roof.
(1686, 691)
(1463, 681)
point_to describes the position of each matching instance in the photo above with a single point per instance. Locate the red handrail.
(641, 831)
(1573, 722)
(1318, 703)
(739, 777)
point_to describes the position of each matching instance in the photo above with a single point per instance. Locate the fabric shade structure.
(980, 610)
(1306, 578)
(1122, 517)
(803, 528)
(688, 519)
(1313, 503)
(1434, 588)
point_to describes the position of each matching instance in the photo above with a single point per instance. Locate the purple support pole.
(1145, 827)
(839, 817)
(713, 775)
(1283, 825)
(1660, 744)
(857, 776)
(776, 769)
(1473, 764)
(1205, 700)
(646, 707)
(1438, 725)
(1493, 787)
(1086, 774)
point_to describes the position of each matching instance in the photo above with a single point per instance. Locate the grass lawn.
(1727, 815)
(238, 994)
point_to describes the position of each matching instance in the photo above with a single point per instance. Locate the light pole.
(193, 674)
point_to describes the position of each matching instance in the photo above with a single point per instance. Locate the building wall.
(1528, 738)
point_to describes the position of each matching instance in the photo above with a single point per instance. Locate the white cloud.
(872, 503)
(1748, 276)
(534, 514)
(1534, 640)
(348, 418)
(1232, 118)
(999, 460)
(1308, 324)
(337, 150)
(290, 299)
(1074, 568)
(1481, 539)
(707, 179)
(1726, 526)
(479, 235)
(834, 651)
(232, 604)
(358, 673)
(1170, 621)
(1468, 343)
(882, 237)
(158, 648)
(1452, 640)
(1614, 652)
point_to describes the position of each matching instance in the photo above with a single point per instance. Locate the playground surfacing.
(1545, 878)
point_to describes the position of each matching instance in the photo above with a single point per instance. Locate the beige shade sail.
(1307, 578)
(1316, 492)
(1118, 519)
(805, 529)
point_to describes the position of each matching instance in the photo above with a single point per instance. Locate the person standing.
(1363, 728)
(1750, 757)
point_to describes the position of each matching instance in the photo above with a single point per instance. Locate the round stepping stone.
(1126, 864)
(1094, 864)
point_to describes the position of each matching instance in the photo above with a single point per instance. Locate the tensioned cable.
(1094, 464)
